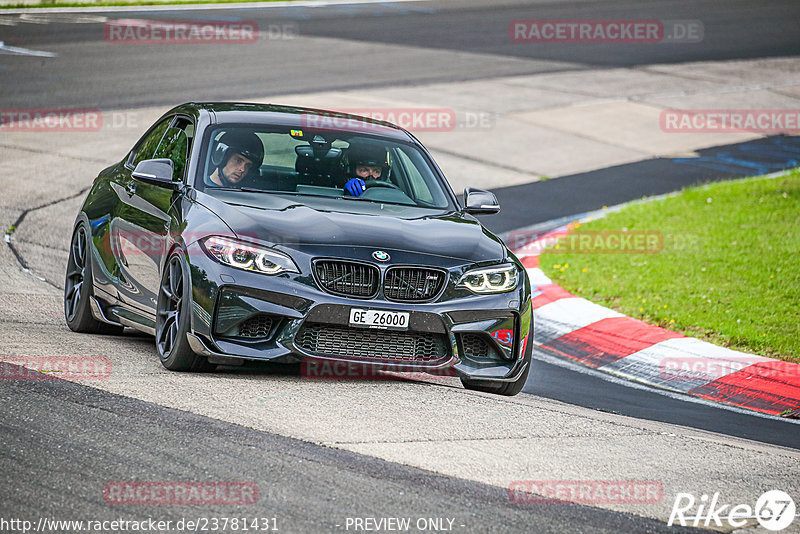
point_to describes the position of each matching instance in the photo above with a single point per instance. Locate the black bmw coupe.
(236, 232)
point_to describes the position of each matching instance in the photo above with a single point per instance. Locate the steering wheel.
(380, 183)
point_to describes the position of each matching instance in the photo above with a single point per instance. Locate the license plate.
(390, 320)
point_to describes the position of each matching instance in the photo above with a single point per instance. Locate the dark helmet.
(372, 153)
(242, 142)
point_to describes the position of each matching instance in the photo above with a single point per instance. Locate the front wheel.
(172, 319)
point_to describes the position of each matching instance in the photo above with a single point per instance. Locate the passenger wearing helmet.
(237, 155)
(367, 160)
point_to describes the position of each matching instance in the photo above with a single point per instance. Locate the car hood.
(316, 223)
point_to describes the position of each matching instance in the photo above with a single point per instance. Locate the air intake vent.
(412, 284)
(375, 345)
(478, 347)
(347, 278)
(258, 326)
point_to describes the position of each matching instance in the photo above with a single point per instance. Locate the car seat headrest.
(311, 160)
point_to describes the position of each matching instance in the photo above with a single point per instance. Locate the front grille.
(347, 278)
(410, 284)
(369, 344)
(258, 326)
(476, 346)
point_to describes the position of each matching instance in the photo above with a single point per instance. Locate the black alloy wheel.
(172, 319)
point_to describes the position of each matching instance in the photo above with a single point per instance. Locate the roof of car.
(297, 117)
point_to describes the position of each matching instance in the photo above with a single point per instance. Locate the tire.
(508, 389)
(78, 288)
(172, 319)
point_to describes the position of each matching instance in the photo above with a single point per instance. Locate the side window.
(147, 146)
(175, 146)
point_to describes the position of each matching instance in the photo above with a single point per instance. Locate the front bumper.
(288, 319)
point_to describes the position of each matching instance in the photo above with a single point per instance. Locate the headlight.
(491, 280)
(248, 257)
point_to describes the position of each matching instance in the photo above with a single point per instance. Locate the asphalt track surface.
(43, 431)
(475, 34)
(57, 436)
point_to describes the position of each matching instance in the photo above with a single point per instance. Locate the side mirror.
(156, 172)
(480, 202)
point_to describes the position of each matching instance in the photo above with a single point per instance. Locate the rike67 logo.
(774, 510)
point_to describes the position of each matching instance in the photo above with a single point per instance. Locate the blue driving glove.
(355, 186)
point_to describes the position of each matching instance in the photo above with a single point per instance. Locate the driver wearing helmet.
(366, 161)
(238, 154)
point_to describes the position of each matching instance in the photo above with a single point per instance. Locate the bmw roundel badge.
(380, 255)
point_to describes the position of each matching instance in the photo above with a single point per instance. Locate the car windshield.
(258, 159)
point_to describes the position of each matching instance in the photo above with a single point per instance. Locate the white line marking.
(33, 19)
(537, 277)
(197, 7)
(682, 364)
(18, 51)
(47, 18)
(563, 316)
(579, 368)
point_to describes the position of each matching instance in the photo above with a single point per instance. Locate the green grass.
(105, 3)
(728, 272)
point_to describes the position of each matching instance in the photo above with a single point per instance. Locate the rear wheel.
(172, 319)
(78, 289)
